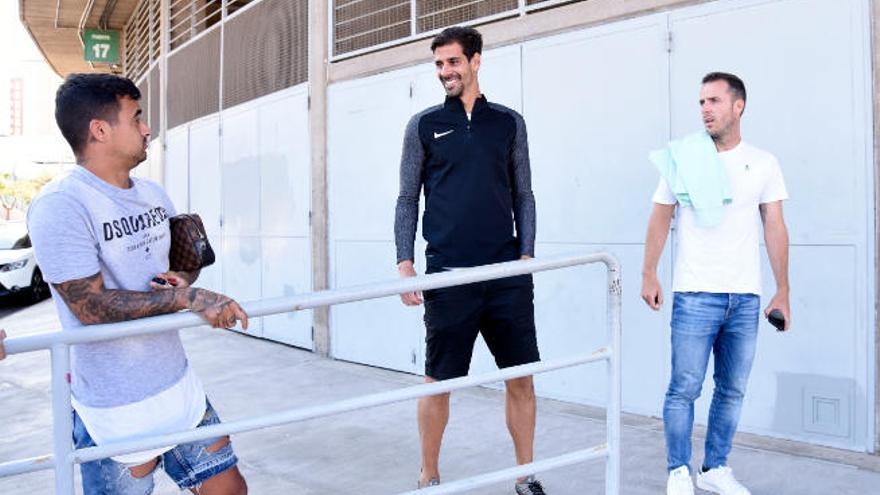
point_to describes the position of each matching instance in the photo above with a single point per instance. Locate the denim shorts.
(189, 465)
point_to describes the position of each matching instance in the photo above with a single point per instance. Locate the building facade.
(265, 114)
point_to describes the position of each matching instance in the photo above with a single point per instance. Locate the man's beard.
(719, 132)
(456, 90)
(138, 159)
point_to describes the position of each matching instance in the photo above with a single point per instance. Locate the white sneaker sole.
(702, 485)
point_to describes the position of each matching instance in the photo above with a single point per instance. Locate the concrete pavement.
(376, 451)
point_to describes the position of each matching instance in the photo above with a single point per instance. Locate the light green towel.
(695, 174)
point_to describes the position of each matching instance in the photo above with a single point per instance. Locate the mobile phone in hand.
(160, 281)
(777, 319)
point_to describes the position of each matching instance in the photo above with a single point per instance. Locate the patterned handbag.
(190, 250)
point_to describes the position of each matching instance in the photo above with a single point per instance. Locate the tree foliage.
(18, 193)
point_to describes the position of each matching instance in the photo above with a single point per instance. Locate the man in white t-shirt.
(102, 239)
(717, 287)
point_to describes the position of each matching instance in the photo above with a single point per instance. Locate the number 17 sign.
(101, 46)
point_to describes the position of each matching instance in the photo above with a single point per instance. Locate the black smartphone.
(160, 281)
(777, 319)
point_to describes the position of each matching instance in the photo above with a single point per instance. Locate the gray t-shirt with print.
(81, 225)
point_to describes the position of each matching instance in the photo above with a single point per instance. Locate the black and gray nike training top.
(477, 184)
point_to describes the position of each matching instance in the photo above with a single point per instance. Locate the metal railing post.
(613, 408)
(62, 420)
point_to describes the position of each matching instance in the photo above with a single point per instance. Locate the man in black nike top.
(472, 159)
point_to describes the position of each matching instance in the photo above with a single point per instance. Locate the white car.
(19, 273)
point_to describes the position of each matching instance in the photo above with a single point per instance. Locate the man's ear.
(98, 130)
(475, 62)
(739, 106)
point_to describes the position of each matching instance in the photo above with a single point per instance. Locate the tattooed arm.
(93, 303)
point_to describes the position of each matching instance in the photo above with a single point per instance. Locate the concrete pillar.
(318, 69)
(164, 48)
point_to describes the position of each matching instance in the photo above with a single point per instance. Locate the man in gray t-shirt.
(102, 238)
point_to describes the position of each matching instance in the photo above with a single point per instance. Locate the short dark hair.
(84, 97)
(737, 87)
(470, 39)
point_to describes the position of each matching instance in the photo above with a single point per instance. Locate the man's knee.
(435, 402)
(684, 388)
(730, 391)
(229, 482)
(520, 389)
(144, 469)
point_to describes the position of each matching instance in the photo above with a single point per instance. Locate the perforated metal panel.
(141, 39)
(232, 6)
(360, 25)
(266, 50)
(193, 75)
(188, 18)
(363, 23)
(436, 14)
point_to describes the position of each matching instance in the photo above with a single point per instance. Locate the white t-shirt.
(178, 408)
(726, 258)
(81, 225)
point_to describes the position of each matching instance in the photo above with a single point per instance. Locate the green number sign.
(101, 46)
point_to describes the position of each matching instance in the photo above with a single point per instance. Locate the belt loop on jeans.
(729, 305)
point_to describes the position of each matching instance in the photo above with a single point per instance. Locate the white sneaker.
(679, 482)
(720, 480)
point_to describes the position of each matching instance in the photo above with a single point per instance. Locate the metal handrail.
(64, 456)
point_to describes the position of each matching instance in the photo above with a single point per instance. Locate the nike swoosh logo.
(438, 135)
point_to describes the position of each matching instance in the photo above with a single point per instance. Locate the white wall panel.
(570, 310)
(177, 167)
(242, 267)
(241, 173)
(380, 332)
(365, 136)
(593, 188)
(243, 273)
(595, 104)
(205, 192)
(285, 194)
(285, 188)
(266, 195)
(286, 272)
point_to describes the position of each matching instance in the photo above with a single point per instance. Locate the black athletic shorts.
(502, 310)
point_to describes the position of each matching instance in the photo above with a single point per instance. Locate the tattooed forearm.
(200, 300)
(93, 303)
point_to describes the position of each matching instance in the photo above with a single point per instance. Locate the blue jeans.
(189, 464)
(702, 322)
